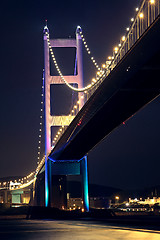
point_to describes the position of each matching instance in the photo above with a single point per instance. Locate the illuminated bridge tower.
(62, 120)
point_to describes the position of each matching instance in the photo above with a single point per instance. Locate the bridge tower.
(62, 120)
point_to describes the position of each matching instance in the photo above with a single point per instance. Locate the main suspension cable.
(91, 85)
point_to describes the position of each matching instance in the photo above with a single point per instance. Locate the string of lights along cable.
(144, 16)
(41, 120)
(87, 48)
(99, 73)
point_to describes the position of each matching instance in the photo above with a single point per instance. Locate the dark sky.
(130, 156)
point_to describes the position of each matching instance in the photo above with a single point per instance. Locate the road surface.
(76, 230)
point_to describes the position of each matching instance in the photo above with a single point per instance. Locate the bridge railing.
(145, 16)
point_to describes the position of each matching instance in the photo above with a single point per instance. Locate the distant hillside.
(74, 188)
(146, 192)
(140, 193)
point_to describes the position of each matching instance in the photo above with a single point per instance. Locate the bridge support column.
(80, 66)
(84, 174)
(48, 183)
(72, 167)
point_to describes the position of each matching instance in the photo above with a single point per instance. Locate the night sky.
(128, 158)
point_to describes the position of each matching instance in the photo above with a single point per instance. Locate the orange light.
(123, 38)
(152, 1)
(141, 15)
(116, 49)
(93, 80)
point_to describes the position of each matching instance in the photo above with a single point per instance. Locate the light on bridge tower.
(58, 120)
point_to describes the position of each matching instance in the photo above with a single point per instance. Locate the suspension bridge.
(126, 82)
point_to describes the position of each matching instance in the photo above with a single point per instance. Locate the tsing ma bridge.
(126, 82)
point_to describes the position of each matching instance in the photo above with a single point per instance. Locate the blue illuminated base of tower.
(67, 167)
